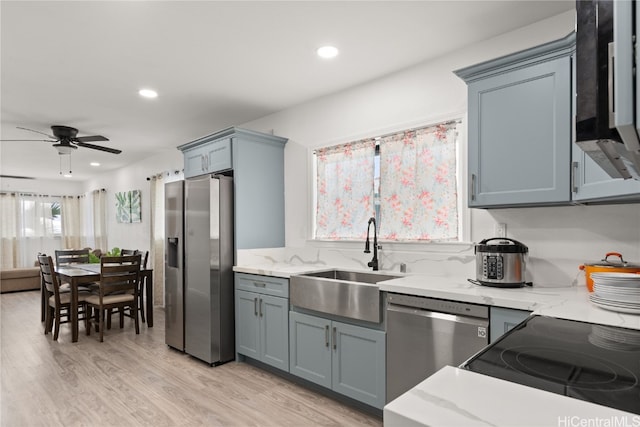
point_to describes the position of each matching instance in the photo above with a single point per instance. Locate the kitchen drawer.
(267, 285)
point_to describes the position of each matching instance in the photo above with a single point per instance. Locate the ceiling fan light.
(64, 149)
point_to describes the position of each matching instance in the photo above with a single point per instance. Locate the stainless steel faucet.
(374, 261)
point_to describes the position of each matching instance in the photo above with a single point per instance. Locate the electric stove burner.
(595, 363)
(566, 367)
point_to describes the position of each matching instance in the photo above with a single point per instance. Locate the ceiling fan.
(66, 140)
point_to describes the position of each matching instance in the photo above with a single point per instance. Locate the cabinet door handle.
(611, 84)
(335, 345)
(574, 177)
(472, 190)
(255, 306)
(259, 284)
(326, 335)
(260, 307)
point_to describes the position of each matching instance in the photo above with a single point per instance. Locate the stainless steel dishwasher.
(426, 334)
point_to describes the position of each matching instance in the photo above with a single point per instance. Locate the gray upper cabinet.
(256, 161)
(593, 184)
(519, 110)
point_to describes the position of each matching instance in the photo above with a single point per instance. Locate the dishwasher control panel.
(443, 306)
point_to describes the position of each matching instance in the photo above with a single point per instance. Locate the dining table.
(82, 274)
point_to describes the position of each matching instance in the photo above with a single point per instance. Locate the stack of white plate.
(616, 291)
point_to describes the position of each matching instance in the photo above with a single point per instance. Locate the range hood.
(606, 86)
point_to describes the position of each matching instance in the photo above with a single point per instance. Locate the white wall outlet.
(500, 229)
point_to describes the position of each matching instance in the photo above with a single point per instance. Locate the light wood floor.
(136, 380)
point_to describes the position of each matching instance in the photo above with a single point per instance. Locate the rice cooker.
(500, 262)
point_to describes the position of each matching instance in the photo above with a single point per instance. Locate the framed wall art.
(128, 206)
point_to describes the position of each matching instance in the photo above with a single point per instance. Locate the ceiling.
(214, 64)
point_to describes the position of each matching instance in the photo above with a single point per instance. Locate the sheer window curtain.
(156, 257)
(345, 178)
(9, 213)
(37, 231)
(418, 188)
(72, 223)
(99, 219)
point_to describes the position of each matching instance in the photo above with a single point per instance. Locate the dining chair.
(58, 309)
(70, 256)
(141, 285)
(117, 289)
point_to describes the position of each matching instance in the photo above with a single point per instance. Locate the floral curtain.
(345, 190)
(418, 196)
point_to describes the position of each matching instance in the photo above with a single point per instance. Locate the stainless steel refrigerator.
(199, 268)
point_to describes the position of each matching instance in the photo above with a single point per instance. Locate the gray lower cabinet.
(262, 325)
(346, 358)
(502, 320)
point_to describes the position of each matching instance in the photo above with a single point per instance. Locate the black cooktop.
(596, 363)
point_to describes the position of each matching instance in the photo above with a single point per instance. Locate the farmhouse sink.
(351, 294)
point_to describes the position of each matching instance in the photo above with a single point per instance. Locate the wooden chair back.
(69, 256)
(119, 274)
(145, 256)
(49, 277)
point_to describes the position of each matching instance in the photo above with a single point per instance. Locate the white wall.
(134, 177)
(559, 238)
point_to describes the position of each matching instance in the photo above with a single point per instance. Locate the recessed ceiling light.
(327, 52)
(94, 164)
(148, 93)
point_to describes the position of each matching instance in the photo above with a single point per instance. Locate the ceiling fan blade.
(37, 131)
(92, 138)
(23, 140)
(98, 147)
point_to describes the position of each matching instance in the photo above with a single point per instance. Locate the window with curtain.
(39, 227)
(412, 181)
(345, 177)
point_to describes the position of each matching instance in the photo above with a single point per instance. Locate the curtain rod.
(20, 193)
(161, 174)
(444, 122)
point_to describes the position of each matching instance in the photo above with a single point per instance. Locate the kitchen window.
(406, 180)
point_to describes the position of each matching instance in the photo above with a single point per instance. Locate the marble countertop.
(569, 302)
(284, 270)
(457, 397)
